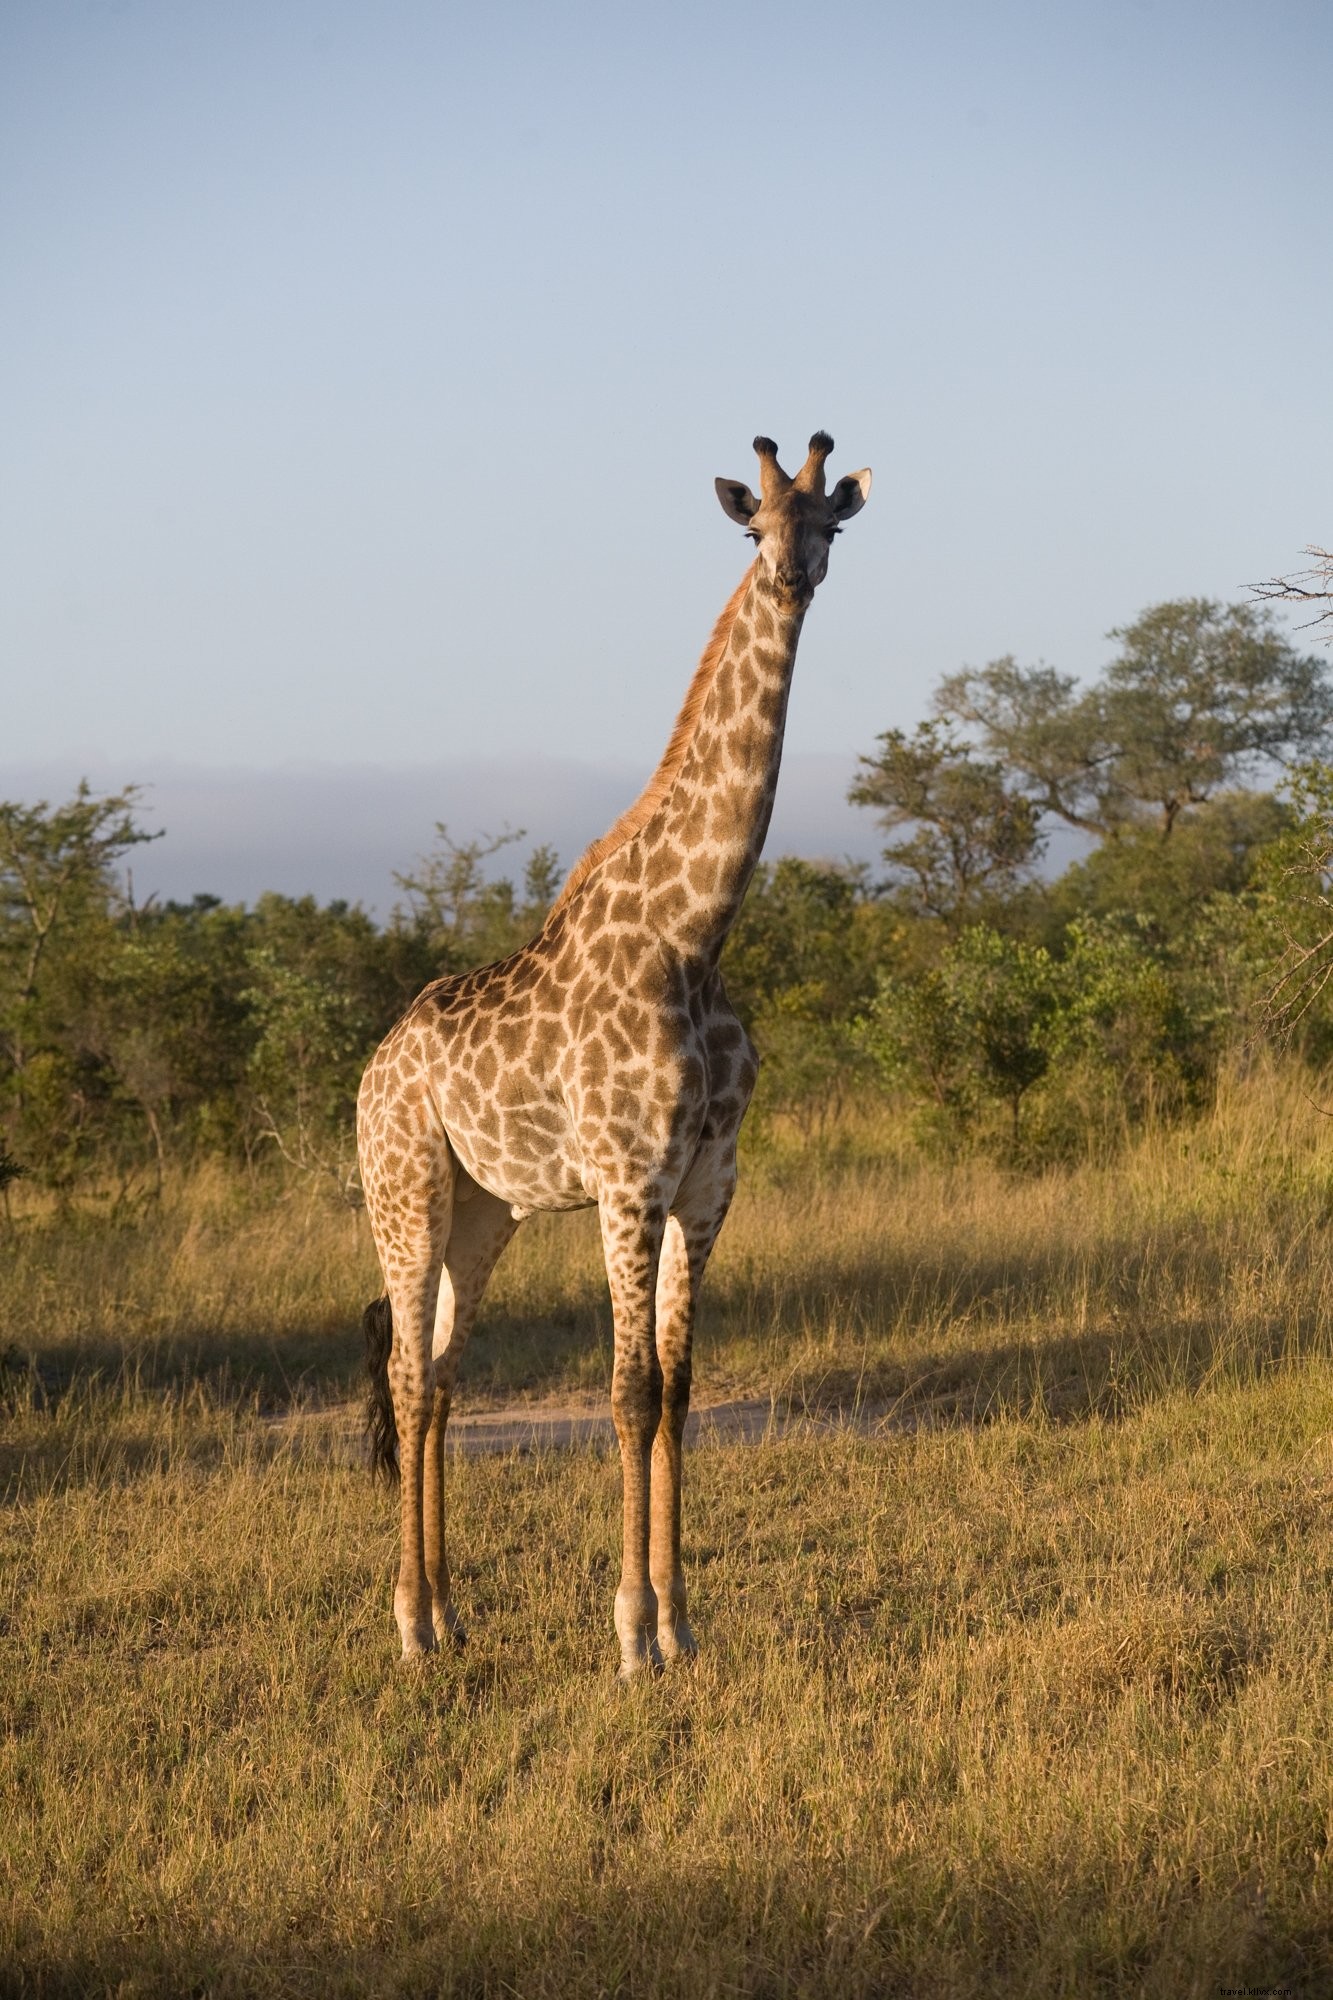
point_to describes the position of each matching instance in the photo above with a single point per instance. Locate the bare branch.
(1306, 586)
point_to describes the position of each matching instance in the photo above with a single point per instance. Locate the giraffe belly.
(528, 1157)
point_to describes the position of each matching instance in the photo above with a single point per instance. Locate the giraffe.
(600, 1065)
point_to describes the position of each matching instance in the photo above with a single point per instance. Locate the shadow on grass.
(960, 1337)
(250, 1367)
(786, 1925)
(1063, 1378)
(273, 1372)
(96, 1437)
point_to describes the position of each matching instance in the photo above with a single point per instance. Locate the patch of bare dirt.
(560, 1424)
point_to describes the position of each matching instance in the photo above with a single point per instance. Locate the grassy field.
(1029, 1694)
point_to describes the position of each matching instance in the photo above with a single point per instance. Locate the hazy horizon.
(345, 830)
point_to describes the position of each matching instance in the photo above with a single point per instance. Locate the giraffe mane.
(637, 816)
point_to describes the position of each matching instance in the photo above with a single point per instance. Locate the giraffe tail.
(381, 1428)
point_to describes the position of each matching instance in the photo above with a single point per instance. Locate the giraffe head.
(794, 520)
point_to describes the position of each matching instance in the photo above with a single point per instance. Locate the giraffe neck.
(703, 843)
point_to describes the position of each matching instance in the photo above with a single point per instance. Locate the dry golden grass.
(1030, 1696)
(1028, 1708)
(864, 1274)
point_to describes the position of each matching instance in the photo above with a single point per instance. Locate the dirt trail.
(560, 1425)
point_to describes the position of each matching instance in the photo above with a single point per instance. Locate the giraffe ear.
(849, 496)
(738, 503)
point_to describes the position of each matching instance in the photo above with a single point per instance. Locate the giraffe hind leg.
(410, 1213)
(481, 1226)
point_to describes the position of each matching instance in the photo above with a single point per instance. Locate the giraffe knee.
(636, 1393)
(677, 1376)
(413, 1401)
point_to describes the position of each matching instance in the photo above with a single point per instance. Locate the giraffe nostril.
(791, 579)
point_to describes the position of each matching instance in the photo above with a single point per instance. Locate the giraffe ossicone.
(601, 1065)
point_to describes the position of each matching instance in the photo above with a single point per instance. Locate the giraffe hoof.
(680, 1647)
(639, 1666)
(418, 1638)
(412, 1616)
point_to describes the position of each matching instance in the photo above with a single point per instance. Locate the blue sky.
(366, 371)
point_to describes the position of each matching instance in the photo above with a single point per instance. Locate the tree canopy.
(1200, 698)
(971, 835)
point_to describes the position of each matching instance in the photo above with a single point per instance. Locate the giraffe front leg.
(674, 1331)
(631, 1237)
(691, 1231)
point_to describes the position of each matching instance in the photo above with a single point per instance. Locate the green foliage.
(1201, 697)
(55, 875)
(1164, 884)
(1072, 1050)
(1036, 1020)
(58, 905)
(1279, 935)
(800, 963)
(1129, 1040)
(973, 836)
(973, 1029)
(308, 1049)
(807, 926)
(130, 1037)
(1083, 1009)
(1039, 729)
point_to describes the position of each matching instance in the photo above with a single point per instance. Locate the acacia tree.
(1036, 726)
(1201, 697)
(971, 834)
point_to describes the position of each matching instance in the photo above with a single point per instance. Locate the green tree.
(310, 1046)
(321, 986)
(1201, 697)
(972, 836)
(1164, 885)
(975, 1028)
(809, 926)
(55, 875)
(799, 965)
(1280, 933)
(1073, 1049)
(1129, 1039)
(59, 904)
(163, 1015)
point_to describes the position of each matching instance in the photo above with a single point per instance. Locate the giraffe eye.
(830, 532)
(753, 535)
